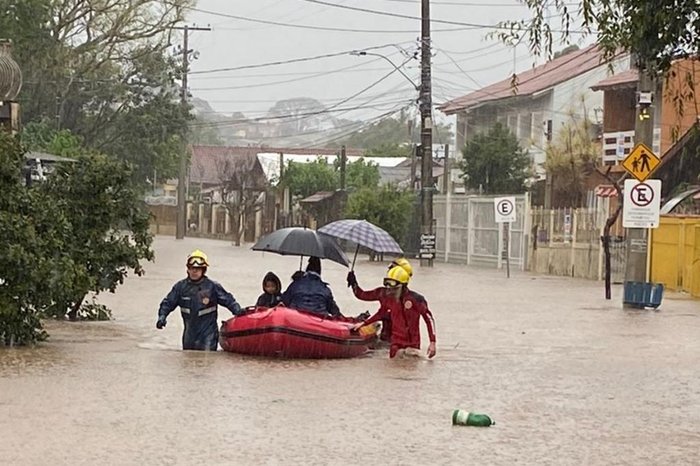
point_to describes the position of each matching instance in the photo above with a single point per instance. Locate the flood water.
(568, 377)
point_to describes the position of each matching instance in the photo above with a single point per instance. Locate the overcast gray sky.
(236, 42)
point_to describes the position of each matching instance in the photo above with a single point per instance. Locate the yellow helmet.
(197, 259)
(396, 276)
(404, 264)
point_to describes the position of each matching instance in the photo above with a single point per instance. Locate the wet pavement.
(568, 377)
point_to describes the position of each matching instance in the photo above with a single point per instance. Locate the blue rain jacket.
(310, 293)
(198, 305)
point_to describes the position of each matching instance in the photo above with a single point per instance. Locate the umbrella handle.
(353, 259)
(301, 259)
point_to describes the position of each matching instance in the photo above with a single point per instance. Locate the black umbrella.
(300, 241)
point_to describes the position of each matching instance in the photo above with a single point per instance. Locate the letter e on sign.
(504, 209)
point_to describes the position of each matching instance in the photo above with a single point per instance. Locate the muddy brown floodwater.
(568, 377)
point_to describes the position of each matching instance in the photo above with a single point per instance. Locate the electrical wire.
(432, 20)
(292, 60)
(319, 28)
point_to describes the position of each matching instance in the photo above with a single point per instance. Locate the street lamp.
(362, 53)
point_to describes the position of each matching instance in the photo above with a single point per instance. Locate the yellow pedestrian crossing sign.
(641, 162)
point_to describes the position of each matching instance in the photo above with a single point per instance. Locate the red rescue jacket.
(405, 314)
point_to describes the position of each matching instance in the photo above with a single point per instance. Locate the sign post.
(427, 247)
(504, 209)
(640, 211)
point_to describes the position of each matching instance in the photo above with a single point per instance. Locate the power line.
(415, 18)
(285, 62)
(278, 117)
(317, 28)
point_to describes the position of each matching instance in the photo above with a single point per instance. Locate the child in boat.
(272, 291)
(405, 307)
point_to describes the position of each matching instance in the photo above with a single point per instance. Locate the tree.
(571, 158)
(359, 174)
(494, 162)
(107, 227)
(299, 115)
(394, 136)
(102, 70)
(240, 190)
(30, 250)
(388, 207)
(657, 32)
(304, 179)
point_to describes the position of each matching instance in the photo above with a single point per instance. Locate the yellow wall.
(675, 254)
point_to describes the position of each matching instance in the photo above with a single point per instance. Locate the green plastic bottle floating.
(465, 418)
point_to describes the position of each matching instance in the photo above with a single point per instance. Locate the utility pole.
(426, 132)
(181, 225)
(343, 163)
(636, 264)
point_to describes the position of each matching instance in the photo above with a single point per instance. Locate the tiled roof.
(212, 165)
(532, 81)
(627, 78)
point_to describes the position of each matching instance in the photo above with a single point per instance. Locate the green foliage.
(361, 174)
(30, 251)
(389, 208)
(102, 70)
(108, 231)
(389, 150)
(82, 230)
(94, 311)
(305, 179)
(571, 158)
(656, 30)
(39, 136)
(495, 163)
(391, 136)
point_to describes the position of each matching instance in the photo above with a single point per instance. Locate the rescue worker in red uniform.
(377, 293)
(405, 307)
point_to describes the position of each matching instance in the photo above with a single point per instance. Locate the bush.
(387, 207)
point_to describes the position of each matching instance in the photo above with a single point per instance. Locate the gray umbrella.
(300, 241)
(362, 233)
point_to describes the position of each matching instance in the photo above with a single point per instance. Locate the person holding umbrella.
(405, 307)
(378, 293)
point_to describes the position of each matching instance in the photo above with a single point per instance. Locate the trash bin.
(643, 294)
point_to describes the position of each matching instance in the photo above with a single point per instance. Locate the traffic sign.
(642, 204)
(504, 209)
(641, 162)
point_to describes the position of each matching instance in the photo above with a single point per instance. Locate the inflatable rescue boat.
(287, 333)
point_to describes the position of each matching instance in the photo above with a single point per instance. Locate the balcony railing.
(616, 145)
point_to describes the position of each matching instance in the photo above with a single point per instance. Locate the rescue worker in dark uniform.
(310, 293)
(198, 297)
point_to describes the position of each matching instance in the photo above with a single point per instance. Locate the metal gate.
(467, 232)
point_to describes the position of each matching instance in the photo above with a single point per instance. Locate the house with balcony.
(534, 104)
(676, 111)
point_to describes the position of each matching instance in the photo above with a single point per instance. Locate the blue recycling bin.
(643, 294)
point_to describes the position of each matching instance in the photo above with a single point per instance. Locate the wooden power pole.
(181, 225)
(426, 134)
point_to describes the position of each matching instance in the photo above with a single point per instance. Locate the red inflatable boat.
(288, 333)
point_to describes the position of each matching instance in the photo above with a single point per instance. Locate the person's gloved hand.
(237, 310)
(352, 279)
(160, 323)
